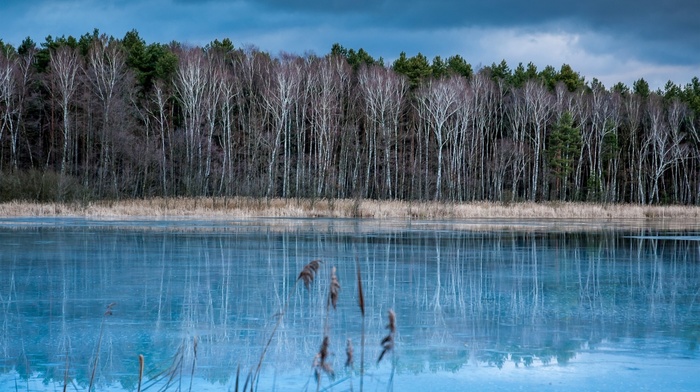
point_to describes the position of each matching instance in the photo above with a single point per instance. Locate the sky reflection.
(488, 309)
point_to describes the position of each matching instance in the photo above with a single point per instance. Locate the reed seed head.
(360, 292)
(308, 273)
(388, 341)
(334, 289)
(349, 351)
(321, 360)
(108, 312)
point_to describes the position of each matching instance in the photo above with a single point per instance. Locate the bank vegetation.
(104, 118)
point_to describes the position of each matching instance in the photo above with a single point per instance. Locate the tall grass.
(242, 207)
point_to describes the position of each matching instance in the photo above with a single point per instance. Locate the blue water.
(495, 310)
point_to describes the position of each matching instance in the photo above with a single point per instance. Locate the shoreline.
(570, 216)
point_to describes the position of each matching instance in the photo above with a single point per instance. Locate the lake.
(525, 307)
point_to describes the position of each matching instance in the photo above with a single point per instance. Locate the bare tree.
(191, 85)
(8, 93)
(326, 86)
(16, 75)
(663, 141)
(157, 109)
(636, 146)
(383, 92)
(599, 139)
(484, 101)
(538, 104)
(281, 88)
(440, 100)
(676, 112)
(229, 93)
(107, 74)
(212, 102)
(249, 64)
(64, 70)
(517, 115)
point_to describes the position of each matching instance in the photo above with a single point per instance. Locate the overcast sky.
(612, 40)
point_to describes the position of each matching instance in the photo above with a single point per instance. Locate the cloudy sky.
(612, 40)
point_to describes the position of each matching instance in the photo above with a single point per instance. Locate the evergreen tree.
(459, 66)
(562, 150)
(438, 68)
(641, 88)
(417, 69)
(500, 71)
(572, 79)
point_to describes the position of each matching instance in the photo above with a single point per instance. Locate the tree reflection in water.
(463, 299)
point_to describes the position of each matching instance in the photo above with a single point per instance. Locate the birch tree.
(280, 91)
(107, 74)
(538, 104)
(229, 93)
(191, 84)
(383, 92)
(16, 76)
(8, 93)
(517, 116)
(440, 100)
(64, 68)
(664, 142)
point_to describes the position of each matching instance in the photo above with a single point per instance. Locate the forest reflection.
(461, 298)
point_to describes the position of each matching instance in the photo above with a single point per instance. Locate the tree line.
(97, 117)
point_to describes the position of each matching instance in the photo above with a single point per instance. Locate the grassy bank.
(248, 207)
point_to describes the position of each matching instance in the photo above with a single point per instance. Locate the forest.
(98, 117)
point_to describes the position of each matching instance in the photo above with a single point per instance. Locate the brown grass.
(388, 341)
(242, 207)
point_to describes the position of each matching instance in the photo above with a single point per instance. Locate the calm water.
(492, 310)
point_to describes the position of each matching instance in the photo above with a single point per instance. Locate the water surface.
(532, 309)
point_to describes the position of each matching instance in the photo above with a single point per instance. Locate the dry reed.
(349, 354)
(65, 371)
(307, 275)
(308, 272)
(361, 303)
(141, 364)
(107, 313)
(388, 341)
(241, 207)
(360, 293)
(334, 289)
(194, 360)
(321, 361)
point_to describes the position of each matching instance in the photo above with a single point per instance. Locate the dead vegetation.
(241, 207)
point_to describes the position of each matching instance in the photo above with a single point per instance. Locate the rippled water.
(484, 310)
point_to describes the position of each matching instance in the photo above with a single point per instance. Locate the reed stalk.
(349, 358)
(141, 363)
(321, 362)
(388, 345)
(65, 372)
(107, 313)
(307, 275)
(361, 303)
(194, 361)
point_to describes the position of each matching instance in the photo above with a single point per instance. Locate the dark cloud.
(654, 34)
(668, 28)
